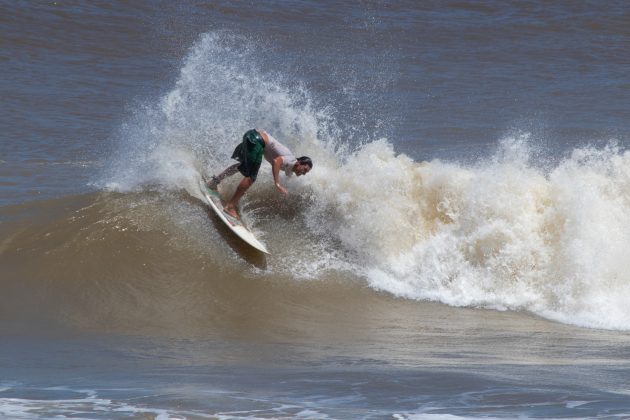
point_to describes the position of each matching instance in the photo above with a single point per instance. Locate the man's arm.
(275, 168)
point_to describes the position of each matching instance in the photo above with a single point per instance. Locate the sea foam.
(502, 233)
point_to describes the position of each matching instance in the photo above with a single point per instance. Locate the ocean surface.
(459, 250)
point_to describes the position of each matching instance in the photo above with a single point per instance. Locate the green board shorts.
(250, 154)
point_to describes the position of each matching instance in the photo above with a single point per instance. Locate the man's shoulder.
(288, 161)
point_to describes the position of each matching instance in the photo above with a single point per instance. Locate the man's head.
(303, 165)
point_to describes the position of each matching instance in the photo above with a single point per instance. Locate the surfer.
(256, 144)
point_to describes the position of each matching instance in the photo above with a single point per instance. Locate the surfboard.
(214, 201)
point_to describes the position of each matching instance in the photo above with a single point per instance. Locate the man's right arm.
(275, 168)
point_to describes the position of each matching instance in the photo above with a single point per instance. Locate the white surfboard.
(213, 200)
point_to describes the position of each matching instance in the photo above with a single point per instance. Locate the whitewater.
(519, 229)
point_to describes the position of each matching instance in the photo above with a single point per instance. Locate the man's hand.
(281, 188)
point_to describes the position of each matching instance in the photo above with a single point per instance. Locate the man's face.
(301, 169)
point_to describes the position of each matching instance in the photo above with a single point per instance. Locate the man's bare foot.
(231, 210)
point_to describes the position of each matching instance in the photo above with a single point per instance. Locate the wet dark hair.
(305, 160)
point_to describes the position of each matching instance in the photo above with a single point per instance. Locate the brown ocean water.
(459, 249)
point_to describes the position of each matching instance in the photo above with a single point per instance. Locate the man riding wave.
(256, 144)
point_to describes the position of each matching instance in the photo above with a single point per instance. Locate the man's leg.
(215, 180)
(249, 153)
(232, 205)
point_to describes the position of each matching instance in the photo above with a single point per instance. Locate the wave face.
(511, 231)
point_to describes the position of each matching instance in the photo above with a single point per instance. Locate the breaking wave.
(508, 231)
